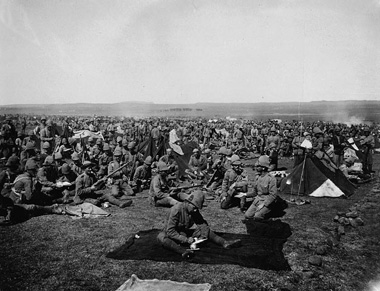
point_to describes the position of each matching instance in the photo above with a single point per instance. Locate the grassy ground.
(54, 252)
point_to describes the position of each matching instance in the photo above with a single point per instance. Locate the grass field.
(55, 252)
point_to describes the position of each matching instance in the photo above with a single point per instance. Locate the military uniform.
(232, 184)
(119, 181)
(158, 192)
(265, 189)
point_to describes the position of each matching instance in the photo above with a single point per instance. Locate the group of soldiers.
(45, 169)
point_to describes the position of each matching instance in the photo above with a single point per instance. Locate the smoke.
(343, 117)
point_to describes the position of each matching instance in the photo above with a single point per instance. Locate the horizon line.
(154, 103)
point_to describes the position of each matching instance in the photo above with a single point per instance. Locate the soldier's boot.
(52, 209)
(226, 244)
(113, 200)
(243, 201)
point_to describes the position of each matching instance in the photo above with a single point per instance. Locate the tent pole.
(301, 178)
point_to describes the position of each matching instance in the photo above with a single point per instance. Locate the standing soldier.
(298, 151)
(367, 143)
(339, 145)
(47, 134)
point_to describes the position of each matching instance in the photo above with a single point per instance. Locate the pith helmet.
(12, 161)
(75, 156)
(148, 160)
(31, 165)
(65, 169)
(223, 151)
(235, 160)
(196, 198)
(162, 166)
(263, 161)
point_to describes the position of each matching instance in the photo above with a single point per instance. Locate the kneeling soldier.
(265, 187)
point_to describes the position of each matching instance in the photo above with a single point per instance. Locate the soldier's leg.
(169, 244)
(222, 242)
(226, 200)
(115, 201)
(166, 202)
(126, 189)
(250, 213)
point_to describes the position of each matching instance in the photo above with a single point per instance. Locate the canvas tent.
(317, 177)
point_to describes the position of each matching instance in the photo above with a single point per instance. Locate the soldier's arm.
(225, 182)
(80, 188)
(171, 227)
(157, 189)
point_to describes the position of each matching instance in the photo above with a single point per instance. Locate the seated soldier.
(265, 189)
(66, 183)
(353, 170)
(220, 167)
(235, 182)
(88, 190)
(142, 176)
(169, 160)
(159, 189)
(120, 179)
(25, 196)
(177, 234)
(197, 165)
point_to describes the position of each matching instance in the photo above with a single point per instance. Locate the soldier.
(235, 180)
(76, 165)
(28, 153)
(177, 234)
(65, 148)
(133, 158)
(298, 151)
(25, 197)
(47, 134)
(220, 167)
(318, 140)
(66, 183)
(47, 175)
(197, 164)
(87, 189)
(104, 160)
(159, 189)
(42, 125)
(265, 189)
(30, 138)
(168, 159)
(142, 176)
(367, 143)
(339, 145)
(119, 180)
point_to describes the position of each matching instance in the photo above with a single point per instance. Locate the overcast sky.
(186, 51)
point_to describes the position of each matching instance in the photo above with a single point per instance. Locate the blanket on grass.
(255, 252)
(135, 284)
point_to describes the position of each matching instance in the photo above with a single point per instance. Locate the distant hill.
(338, 111)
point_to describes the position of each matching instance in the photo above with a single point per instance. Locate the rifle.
(111, 174)
(176, 189)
